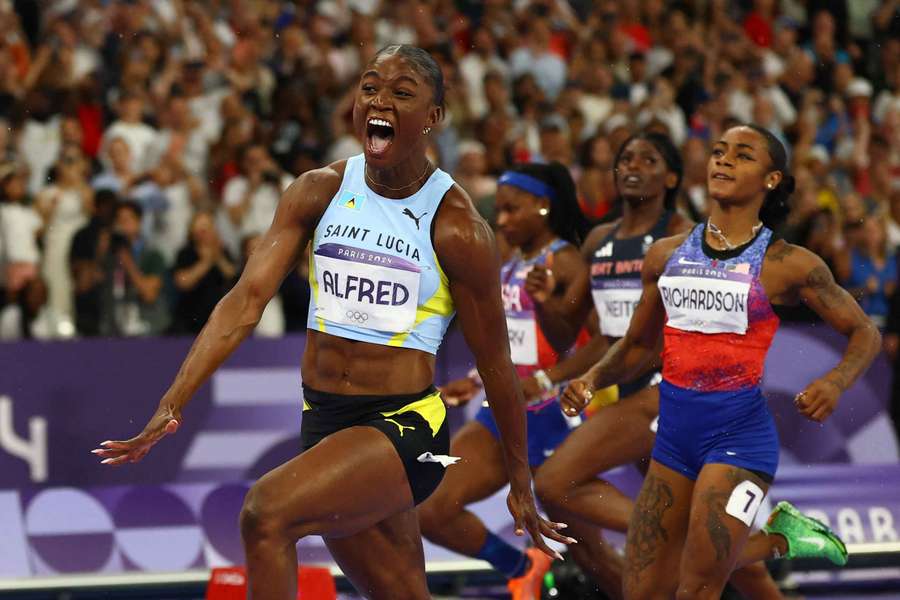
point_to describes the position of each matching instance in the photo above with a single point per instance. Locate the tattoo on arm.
(821, 281)
(853, 362)
(645, 530)
(780, 253)
(837, 306)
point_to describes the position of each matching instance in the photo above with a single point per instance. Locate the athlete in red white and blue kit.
(538, 215)
(710, 292)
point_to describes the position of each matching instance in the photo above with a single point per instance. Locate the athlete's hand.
(521, 506)
(818, 400)
(164, 422)
(459, 392)
(531, 388)
(577, 396)
(540, 283)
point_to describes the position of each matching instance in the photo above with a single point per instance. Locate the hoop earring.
(426, 131)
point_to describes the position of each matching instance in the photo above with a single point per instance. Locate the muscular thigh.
(723, 508)
(386, 560)
(345, 484)
(617, 435)
(657, 529)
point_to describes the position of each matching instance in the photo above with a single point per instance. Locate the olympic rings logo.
(359, 317)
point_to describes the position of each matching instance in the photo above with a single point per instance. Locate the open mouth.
(722, 177)
(632, 180)
(379, 136)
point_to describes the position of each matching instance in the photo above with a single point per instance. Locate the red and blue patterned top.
(719, 321)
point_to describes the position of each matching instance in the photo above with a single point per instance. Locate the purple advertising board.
(61, 512)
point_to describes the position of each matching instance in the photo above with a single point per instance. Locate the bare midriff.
(342, 366)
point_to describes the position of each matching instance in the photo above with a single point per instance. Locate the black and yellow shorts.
(416, 424)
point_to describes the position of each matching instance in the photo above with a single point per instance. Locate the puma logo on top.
(412, 216)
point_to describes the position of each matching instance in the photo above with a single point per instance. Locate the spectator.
(203, 273)
(555, 145)
(119, 174)
(870, 272)
(471, 174)
(272, 321)
(182, 194)
(596, 103)
(65, 206)
(596, 184)
(475, 67)
(131, 128)
(535, 56)
(20, 227)
(663, 108)
(250, 199)
(90, 249)
(40, 138)
(133, 302)
(758, 24)
(182, 137)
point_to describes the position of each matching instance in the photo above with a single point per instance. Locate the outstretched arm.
(237, 314)
(466, 249)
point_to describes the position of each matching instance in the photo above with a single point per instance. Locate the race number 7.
(744, 502)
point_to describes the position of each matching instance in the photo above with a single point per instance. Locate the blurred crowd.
(144, 143)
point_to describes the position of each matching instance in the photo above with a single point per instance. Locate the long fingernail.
(558, 556)
(562, 525)
(572, 540)
(106, 461)
(106, 443)
(97, 451)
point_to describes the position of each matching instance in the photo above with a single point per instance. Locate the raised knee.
(257, 519)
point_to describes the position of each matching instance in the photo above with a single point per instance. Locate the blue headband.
(530, 184)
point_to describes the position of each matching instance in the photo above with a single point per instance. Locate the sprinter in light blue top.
(374, 437)
(373, 271)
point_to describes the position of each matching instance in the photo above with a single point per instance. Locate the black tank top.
(616, 275)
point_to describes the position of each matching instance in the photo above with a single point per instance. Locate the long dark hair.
(670, 154)
(565, 219)
(776, 206)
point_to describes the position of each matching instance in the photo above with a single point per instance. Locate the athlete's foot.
(806, 537)
(528, 586)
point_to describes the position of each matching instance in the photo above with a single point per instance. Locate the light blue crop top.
(373, 271)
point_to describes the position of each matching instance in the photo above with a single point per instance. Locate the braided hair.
(776, 206)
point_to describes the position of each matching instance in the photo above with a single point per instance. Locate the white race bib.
(615, 306)
(522, 340)
(706, 299)
(366, 289)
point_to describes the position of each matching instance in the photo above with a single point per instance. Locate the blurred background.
(144, 145)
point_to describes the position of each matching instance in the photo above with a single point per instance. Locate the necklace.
(402, 187)
(721, 236)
